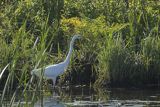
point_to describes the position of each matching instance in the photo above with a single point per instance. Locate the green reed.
(120, 44)
(25, 38)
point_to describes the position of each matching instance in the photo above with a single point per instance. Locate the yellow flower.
(73, 22)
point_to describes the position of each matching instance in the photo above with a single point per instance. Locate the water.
(83, 96)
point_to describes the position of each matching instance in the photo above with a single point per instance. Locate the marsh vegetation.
(120, 45)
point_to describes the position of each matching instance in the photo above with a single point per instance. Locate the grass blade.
(3, 70)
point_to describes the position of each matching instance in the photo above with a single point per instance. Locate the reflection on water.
(90, 97)
(49, 102)
(78, 96)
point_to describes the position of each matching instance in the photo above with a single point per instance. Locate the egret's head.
(77, 36)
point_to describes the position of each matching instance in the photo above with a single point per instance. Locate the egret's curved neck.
(70, 52)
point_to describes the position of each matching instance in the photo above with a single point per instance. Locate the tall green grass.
(26, 32)
(115, 36)
(120, 45)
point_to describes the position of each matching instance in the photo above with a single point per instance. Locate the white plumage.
(52, 71)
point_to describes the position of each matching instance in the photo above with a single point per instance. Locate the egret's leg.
(54, 81)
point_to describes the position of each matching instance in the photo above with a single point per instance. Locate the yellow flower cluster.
(73, 22)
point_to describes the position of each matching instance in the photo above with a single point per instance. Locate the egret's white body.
(52, 71)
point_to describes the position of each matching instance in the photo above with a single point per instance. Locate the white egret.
(52, 71)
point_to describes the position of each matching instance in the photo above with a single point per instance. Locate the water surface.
(83, 96)
(89, 97)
